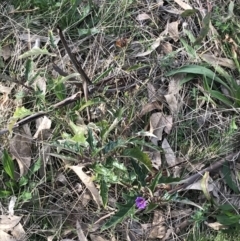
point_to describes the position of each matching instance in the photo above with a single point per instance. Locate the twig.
(200, 174)
(3, 76)
(85, 79)
(35, 116)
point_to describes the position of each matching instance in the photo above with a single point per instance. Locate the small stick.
(198, 175)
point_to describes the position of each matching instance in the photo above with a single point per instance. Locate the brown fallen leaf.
(20, 148)
(87, 181)
(6, 237)
(159, 229)
(182, 4)
(149, 107)
(211, 59)
(159, 123)
(172, 30)
(172, 103)
(167, 48)
(42, 124)
(169, 154)
(121, 42)
(142, 16)
(216, 225)
(6, 52)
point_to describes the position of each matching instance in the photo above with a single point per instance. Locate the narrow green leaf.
(102, 75)
(28, 70)
(94, 101)
(150, 207)
(60, 91)
(35, 52)
(155, 181)
(124, 211)
(188, 12)
(227, 177)
(36, 166)
(5, 193)
(226, 220)
(199, 70)
(217, 95)
(140, 156)
(205, 29)
(8, 164)
(191, 51)
(104, 192)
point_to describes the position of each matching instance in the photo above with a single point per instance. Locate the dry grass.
(203, 131)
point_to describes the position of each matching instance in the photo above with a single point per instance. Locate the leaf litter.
(160, 109)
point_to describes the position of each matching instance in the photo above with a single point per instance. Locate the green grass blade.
(8, 164)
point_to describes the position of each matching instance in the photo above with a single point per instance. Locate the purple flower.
(141, 203)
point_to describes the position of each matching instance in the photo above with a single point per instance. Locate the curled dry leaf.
(159, 229)
(88, 183)
(142, 16)
(20, 148)
(198, 186)
(169, 154)
(216, 225)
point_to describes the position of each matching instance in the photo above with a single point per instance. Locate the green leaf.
(199, 70)
(94, 101)
(217, 95)
(8, 164)
(140, 156)
(60, 91)
(23, 181)
(36, 166)
(150, 207)
(228, 220)
(205, 29)
(141, 172)
(113, 145)
(123, 212)
(35, 51)
(90, 139)
(188, 12)
(5, 193)
(104, 192)
(102, 75)
(88, 31)
(155, 181)
(191, 51)
(25, 196)
(227, 177)
(28, 70)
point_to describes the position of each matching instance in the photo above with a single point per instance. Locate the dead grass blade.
(182, 4)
